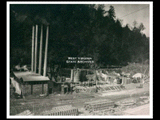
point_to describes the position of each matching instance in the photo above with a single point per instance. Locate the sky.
(129, 13)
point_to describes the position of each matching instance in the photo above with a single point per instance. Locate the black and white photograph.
(79, 59)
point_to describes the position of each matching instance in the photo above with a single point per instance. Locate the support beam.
(31, 89)
(23, 89)
(42, 88)
(36, 37)
(46, 49)
(40, 51)
(32, 55)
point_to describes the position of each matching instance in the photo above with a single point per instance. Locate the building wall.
(37, 89)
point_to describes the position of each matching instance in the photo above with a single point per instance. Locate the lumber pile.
(144, 100)
(100, 88)
(61, 110)
(98, 105)
(84, 89)
(25, 113)
(126, 103)
(105, 88)
(110, 111)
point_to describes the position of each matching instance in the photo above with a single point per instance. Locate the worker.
(50, 84)
(142, 82)
(50, 87)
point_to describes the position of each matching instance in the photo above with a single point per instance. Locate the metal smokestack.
(46, 50)
(32, 54)
(36, 36)
(40, 50)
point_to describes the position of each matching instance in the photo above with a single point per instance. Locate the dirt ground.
(38, 104)
(140, 110)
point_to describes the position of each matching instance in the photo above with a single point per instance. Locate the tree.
(135, 23)
(78, 31)
(111, 12)
(141, 27)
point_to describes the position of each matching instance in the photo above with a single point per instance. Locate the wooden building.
(32, 80)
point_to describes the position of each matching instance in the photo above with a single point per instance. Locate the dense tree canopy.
(76, 31)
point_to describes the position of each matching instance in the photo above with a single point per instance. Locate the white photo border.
(151, 58)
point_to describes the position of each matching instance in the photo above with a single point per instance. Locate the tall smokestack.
(46, 49)
(40, 50)
(35, 66)
(32, 55)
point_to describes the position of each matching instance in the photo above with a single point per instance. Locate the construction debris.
(126, 102)
(111, 88)
(25, 113)
(62, 110)
(16, 85)
(144, 100)
(125, 74)
(121, 106)
(23, 68)
(98, 88)
(126, 80)
(78, 89)
(138, 75)
(98, 105)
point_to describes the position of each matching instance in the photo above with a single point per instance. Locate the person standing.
(50, 83)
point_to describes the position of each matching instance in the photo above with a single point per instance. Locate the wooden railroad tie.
(98, 105)
(62, 110)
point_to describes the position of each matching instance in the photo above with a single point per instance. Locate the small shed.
(31, 79)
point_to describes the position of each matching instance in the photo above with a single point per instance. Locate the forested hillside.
(76, 31)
